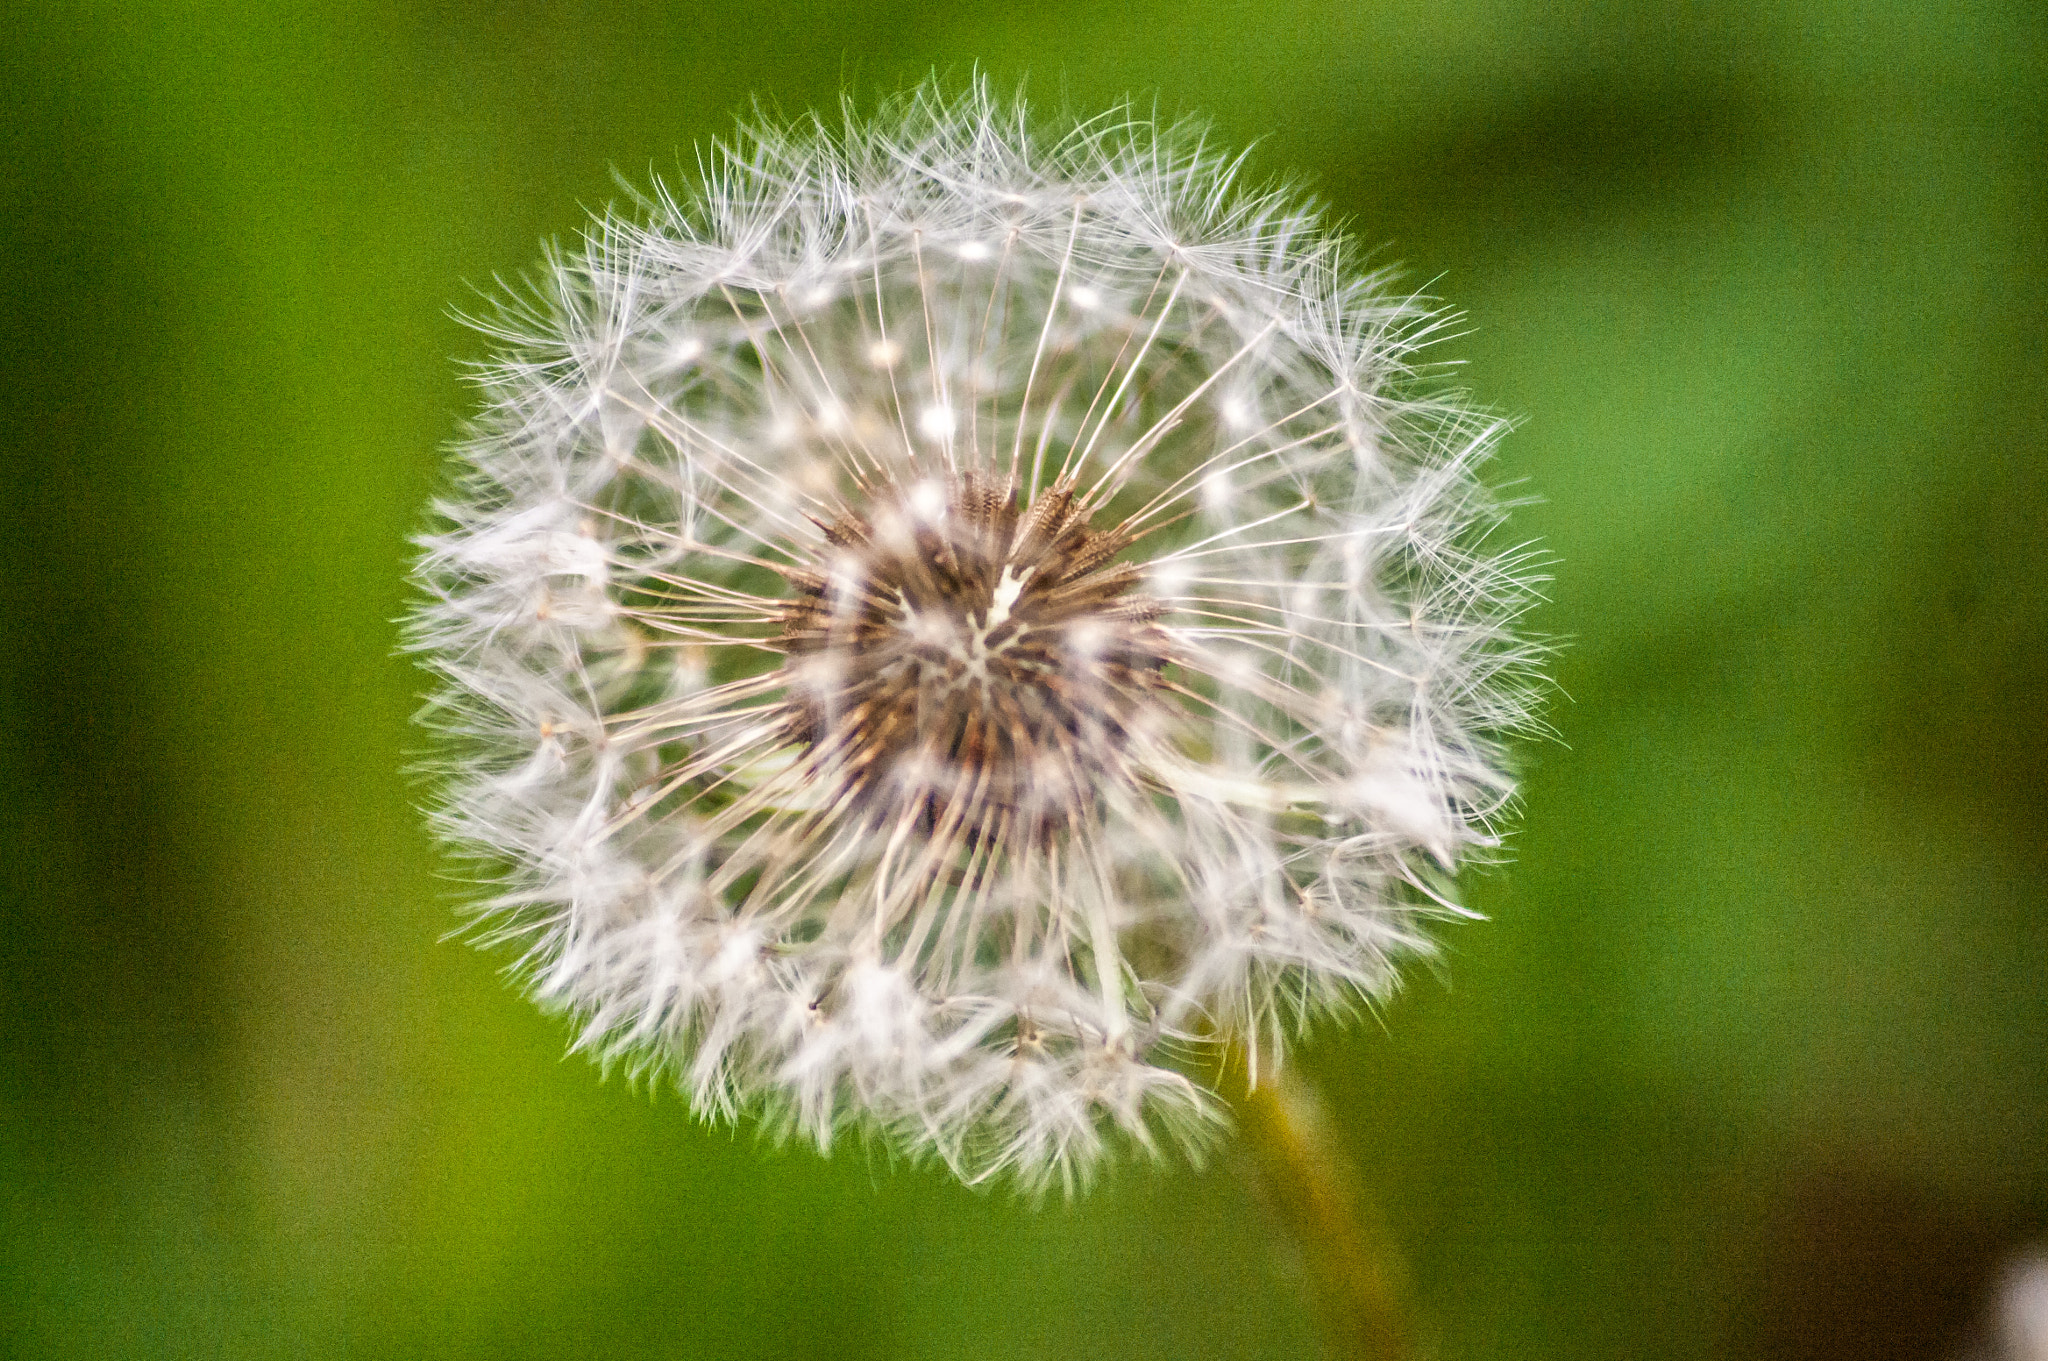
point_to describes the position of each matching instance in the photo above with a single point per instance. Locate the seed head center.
(958, 652)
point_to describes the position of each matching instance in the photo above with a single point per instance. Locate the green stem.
(1356, 1275)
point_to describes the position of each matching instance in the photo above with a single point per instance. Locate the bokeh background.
(1751, 1059)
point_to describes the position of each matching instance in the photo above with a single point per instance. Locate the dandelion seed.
(898, 690)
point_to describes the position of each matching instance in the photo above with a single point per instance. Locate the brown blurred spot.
(1858, 1265)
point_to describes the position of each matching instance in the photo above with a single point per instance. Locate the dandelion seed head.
(940, 622)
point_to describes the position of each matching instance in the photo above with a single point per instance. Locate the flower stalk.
(1312, 1186)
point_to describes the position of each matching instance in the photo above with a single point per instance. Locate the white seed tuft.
(938, 624)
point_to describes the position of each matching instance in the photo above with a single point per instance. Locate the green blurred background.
(1752, 1058)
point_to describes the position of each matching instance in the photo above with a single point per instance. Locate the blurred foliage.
(1752, 1060)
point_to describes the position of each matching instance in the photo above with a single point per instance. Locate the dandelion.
(938, 625)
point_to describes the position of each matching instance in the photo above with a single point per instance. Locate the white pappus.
(939, 625)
